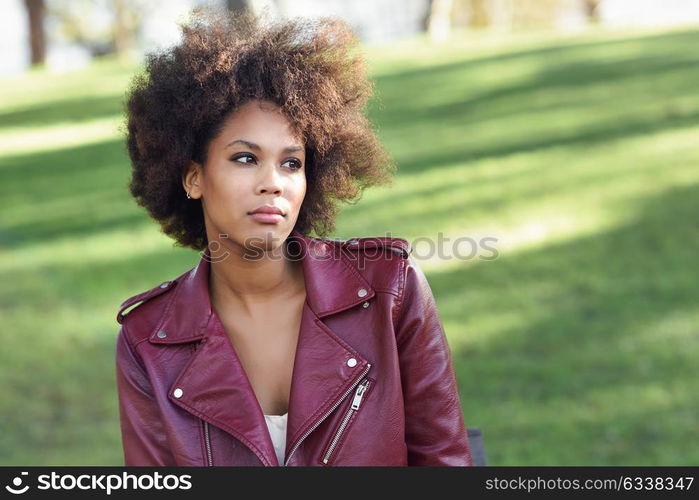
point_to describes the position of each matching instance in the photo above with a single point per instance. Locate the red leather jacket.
(373, 381)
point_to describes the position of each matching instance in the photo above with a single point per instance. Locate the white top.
(277, 431)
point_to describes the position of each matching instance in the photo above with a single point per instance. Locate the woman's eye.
(295, 164)
(238, 158)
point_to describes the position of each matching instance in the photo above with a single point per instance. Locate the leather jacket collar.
(213, 384)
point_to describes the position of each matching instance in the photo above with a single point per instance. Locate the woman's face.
(256, 160)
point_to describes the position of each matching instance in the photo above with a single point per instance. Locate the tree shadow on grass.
(69, 192)
(590, 317)
(513, 144)
(81, 109)
(660, 72)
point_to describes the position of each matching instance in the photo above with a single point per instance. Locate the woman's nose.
(270, 180)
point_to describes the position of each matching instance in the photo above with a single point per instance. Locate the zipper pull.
(359, 394)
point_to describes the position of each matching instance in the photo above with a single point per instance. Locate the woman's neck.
(254, 283)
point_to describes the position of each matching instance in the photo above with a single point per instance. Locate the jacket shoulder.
(399, 246)
(139, 299)
(381, 260)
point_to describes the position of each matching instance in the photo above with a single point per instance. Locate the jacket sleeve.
(435, 432)
(143, 437)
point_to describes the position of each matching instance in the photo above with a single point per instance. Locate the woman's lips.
(267, 218)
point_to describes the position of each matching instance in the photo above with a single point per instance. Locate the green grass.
(577, 344)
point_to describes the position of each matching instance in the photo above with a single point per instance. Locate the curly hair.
(308, 67)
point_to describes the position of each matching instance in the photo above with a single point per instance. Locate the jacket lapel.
(214, 386)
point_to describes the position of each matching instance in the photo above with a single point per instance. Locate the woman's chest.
(266, 347)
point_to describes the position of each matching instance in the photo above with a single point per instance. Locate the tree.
(479, 14)
(126, 22)
(101, 26)
(37, 39)
(438, 19)
(592, 10)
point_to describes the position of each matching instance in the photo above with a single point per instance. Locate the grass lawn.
(575, 345)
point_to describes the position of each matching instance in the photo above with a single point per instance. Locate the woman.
(278, 348)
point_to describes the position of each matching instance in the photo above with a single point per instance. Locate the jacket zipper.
(358, 395)
(325, 415)
(207, 440)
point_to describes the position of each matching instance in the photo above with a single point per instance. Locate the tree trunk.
(428, 14)
(439, 21)
(37, 41)
(592, 10)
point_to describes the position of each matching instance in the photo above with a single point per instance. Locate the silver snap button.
(178, 393)
(352, 242)
(164, 285)
(351, 362)
(162, 334)
(362, 292)
(365, 305)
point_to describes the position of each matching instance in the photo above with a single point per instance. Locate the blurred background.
(567, 130)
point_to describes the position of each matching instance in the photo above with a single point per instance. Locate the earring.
(188, 197)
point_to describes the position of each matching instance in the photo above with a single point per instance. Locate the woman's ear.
(191, 180)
